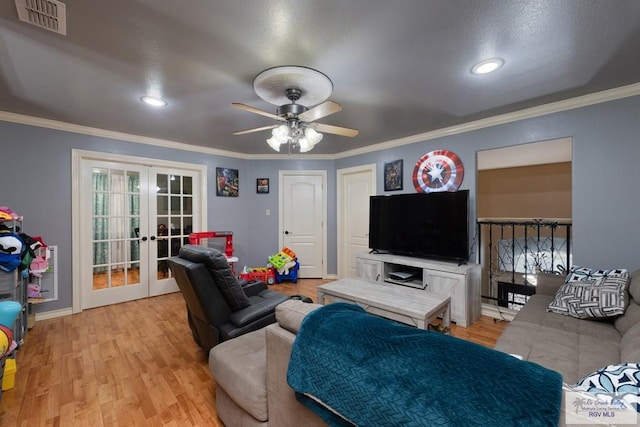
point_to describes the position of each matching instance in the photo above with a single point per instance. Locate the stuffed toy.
(11, 249)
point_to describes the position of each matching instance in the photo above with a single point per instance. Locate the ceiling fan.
(296, 128)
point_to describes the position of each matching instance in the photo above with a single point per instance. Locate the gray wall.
(264, 229)
(605, 172)
(35, 181)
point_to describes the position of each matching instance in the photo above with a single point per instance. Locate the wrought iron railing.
(512, 250)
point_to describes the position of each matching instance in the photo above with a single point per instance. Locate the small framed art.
(262, 185)
(393, 175)
(227, 183)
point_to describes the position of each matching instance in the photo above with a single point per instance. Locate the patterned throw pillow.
(583, 273)
(621, 381)
(589, 299)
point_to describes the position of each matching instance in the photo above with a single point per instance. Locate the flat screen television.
(431, 225)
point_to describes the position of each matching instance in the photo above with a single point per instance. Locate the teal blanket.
(375, 372)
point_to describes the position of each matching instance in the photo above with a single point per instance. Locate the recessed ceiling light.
(487, 66)
(153, 101)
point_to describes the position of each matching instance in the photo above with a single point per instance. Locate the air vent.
(47, 14)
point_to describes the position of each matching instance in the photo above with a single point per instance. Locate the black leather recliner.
(219, 306)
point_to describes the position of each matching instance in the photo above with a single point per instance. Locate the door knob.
(144, 238)
(152, 237)
(286, 232)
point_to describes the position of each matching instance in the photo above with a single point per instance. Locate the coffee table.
(400, 303)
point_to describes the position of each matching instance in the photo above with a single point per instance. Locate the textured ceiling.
(398, 68)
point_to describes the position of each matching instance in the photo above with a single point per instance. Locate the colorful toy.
(254, 273)
(283, 257)
(9, 312)
(194, 239)
(265, 274)
(286, 265)
(33, 290)
(39, 265)
(271, 275)
(6, 339)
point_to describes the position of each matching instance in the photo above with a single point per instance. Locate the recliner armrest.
(252, 313)
(253, 288)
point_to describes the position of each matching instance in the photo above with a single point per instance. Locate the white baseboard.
(54, 313)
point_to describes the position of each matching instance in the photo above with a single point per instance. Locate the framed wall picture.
(262, 185)
(227, 183)
(393, 175)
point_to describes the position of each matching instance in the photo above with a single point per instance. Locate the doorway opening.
(523, 205)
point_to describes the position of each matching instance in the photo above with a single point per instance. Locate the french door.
(133, 218)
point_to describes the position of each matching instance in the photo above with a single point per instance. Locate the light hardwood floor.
(131, 364)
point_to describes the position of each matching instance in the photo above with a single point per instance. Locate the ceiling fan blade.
(337, 130)
(256, 111)
(242, 132)
(319, 111)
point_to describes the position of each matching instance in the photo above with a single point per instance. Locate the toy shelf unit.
(460, 282)
(13, 285)
(43, 276)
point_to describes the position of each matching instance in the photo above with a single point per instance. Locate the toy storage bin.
(292, 275)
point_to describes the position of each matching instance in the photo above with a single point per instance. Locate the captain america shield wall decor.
(438, 170)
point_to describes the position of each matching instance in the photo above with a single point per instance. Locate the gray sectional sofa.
(573, 347)
(251, 374)
(250, 370)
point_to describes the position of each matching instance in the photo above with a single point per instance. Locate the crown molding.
(103, 133)
(527, 113)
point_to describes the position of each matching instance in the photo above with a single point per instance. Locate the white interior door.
(133, 217)
(302, 218)
(355, 185)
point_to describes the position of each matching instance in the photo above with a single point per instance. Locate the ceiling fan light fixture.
(294, 135)
(305, 145)
(312, 136)
(281, 133)
(279, 136)
(153, 101)
(309, 140)
(487, 66)
(274, 143)
(313, 86)
(284, 87)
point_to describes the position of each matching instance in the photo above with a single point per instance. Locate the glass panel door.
(174, 219)
(117, 205)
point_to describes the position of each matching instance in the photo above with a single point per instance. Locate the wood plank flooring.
(131, 364)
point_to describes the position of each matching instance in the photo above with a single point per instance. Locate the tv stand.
(460, 282)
